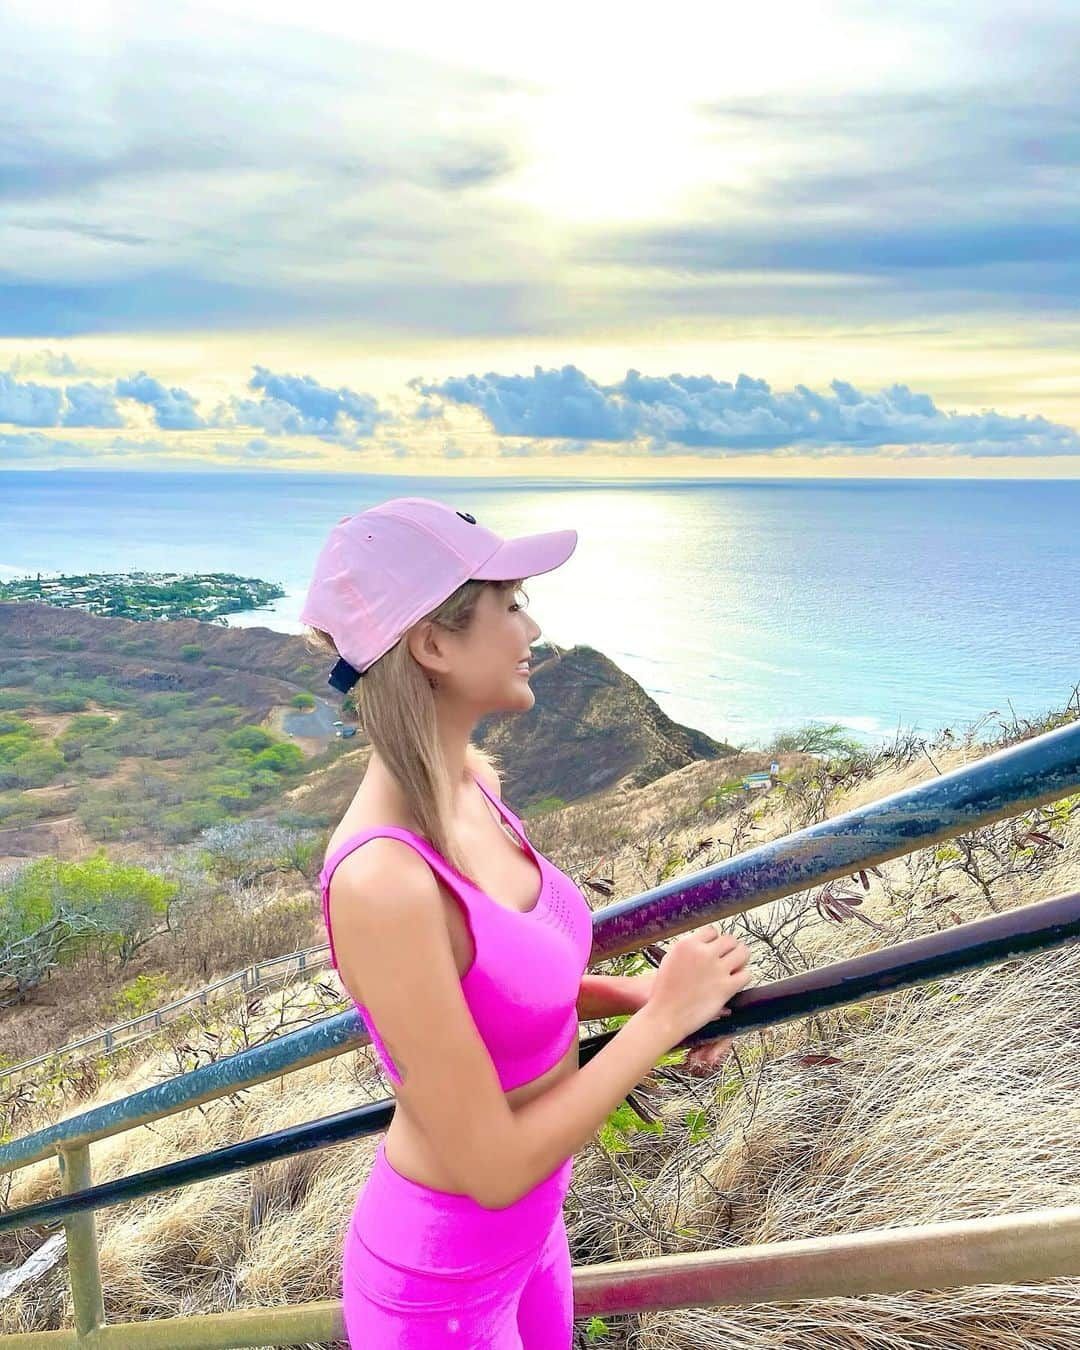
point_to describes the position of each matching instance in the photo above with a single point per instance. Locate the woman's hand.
(700, 1059)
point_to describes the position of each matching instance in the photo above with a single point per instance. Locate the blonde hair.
(396, 709)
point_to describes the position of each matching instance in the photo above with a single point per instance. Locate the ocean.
(744, 607)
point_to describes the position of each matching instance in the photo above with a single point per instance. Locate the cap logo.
(465, 516)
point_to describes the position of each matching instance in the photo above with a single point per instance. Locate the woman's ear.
(420, 642)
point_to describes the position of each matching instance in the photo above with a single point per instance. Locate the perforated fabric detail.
(521, 987)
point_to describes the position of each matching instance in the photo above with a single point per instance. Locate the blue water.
(743, 607)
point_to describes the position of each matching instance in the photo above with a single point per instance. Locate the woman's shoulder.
(386, 871)
(358, 820)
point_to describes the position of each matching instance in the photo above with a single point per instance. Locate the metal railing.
(1035, 1245)
(124, 1035)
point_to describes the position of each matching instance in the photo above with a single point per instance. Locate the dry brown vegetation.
(224, 929)
(956, 1099)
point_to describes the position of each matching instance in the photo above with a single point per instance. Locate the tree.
(242, 851)
(249, 738)
(113, 908)
(26, 961)
(814, 739)
(281, 757)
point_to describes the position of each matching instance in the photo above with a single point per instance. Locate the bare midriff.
(408, 1151)
(511, 874)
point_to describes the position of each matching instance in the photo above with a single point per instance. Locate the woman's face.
(481, 665)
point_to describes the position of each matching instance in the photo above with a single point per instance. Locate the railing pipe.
(1006, 783)
(112, 1033)
(82, 1248)
(1049, 923)
(1003, 784)
(1040, 1244)
(284, 1054)
(1003, 1249)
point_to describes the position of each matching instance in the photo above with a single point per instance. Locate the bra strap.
(422, 847)
(502, 809)
(457, 884)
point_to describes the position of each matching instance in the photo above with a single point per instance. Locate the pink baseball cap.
(381, 571)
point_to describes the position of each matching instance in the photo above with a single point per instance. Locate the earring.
(433, 682)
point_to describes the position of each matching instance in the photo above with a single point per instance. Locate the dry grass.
(225, 931)
(952, 1100)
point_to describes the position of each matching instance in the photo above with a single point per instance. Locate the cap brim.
(528, 556)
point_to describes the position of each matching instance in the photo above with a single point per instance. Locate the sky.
(812, 238)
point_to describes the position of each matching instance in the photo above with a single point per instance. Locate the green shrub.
(281, 757)
(184, 822)
(250, 738)
(98, 762)
(140, 995)
(83, 731)
(551, 803)
(16, 810)
(120, 906)
(62, 702)
(27, 759)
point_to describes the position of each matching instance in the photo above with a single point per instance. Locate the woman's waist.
(427, 1228)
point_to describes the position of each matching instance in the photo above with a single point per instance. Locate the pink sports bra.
(522, 987)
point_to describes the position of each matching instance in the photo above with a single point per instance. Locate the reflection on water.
(744, 608)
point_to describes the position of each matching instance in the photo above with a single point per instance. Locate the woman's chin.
(523, 694)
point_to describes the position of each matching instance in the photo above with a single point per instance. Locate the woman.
(463, 948)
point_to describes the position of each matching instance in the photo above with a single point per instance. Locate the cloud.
(90, 405)
(48, 362)
(174, 409)
(163, 175)
(547, 403)
(295, 405)
(259, 450)
(698, 413)
(27, 404)
(190, 169)
(953, 196)
(32, 449)
(555, 412)
(299, 405)
(48, 452)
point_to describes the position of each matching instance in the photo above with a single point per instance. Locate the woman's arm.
(612, 995)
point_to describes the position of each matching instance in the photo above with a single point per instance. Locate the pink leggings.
(423, 1269)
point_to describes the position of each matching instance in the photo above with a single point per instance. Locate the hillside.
(165, 696)
(258, 663)
(137, 751)
(955, 1099)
